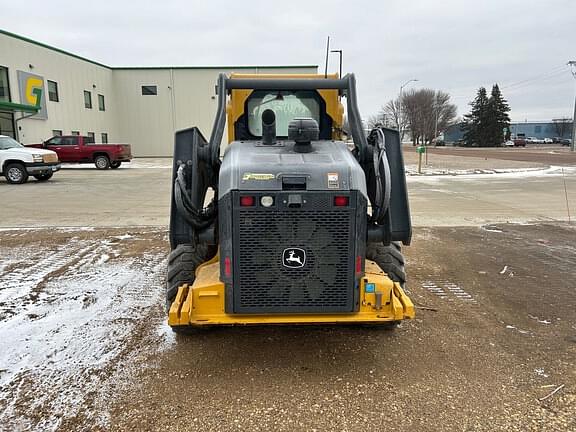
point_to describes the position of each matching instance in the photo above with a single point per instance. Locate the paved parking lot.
(139, 195)
(84, 344)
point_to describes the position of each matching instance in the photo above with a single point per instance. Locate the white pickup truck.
(17, 162)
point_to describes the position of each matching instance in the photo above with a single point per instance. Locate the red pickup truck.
(82, 149)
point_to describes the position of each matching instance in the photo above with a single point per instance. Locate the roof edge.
(214, 67)
(61, 51)
(50, 47)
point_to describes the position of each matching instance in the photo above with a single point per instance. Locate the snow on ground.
(67, 313)
(495, 174)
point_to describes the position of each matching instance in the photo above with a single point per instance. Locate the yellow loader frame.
(382, 301)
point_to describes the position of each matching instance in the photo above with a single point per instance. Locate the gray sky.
(452, 45)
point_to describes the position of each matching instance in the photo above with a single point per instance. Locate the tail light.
(227, 267)
(341, 201)
(358, 264)
(247, 201)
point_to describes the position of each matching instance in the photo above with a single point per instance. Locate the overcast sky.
(452, 45)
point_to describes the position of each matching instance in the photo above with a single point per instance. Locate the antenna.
(327, 52)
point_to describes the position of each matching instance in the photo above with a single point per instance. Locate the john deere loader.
(290, 224)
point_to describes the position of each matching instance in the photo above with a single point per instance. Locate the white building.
(142, 106)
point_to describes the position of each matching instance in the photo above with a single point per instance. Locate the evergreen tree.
(475, 132)
(498, 118)
(488, 123)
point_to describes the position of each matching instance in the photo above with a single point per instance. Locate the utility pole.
(339, 52)
(572, 64)
(327, 52)
(401, 105)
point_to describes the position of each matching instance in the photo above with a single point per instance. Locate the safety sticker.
(333, 182)
(257, 176)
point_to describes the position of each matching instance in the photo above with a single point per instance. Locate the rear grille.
(325, 282)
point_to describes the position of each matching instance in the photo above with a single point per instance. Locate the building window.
(53, 91)
(56, 132)
(75, 133)
(149, 90)
(4, 87)
(104, 136)
(91, 139)
(101, 104)
(537, 129)
(87, 99)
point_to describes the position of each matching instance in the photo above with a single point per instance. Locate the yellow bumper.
(381, 301)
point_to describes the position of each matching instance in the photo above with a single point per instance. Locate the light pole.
(400, 107)
(339, 52)
(572, 64)
(405, 84)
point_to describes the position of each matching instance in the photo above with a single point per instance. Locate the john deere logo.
(31, 88)
(294, 257)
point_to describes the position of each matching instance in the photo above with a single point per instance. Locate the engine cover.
(292, 230)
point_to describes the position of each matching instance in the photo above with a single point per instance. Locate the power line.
(554, 71)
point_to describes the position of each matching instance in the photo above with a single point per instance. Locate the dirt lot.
(83, 344)
(545, 154)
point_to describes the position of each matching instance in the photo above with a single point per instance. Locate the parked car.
(18, 162)
(82, 149)
(519, 142)
(534, 140)
(565, 141)
(509, 143)
(548, 140)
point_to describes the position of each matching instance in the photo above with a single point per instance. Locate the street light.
(339, 52)
(405, 84)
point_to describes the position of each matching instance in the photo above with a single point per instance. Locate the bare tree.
(394, 112)
(428, 113)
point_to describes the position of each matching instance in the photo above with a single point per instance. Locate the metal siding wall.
(73, 77)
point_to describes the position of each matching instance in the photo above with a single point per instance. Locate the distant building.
(143, 106)
(561, 128)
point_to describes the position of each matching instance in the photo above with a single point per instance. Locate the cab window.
(287, 105)
(54, 141)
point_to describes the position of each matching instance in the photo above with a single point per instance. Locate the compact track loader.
(302, 228)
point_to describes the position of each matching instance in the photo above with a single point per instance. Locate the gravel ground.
(85, 346)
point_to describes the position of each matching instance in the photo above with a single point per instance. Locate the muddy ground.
(83, 344)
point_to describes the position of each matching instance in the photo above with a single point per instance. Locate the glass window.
(8, 143)
(4, 88)
(75, 133)
(537, 129)
(149, 90)
(55, 141)
(71, 140)
(53, 91)
(101, 104)
(104, 137)
(90, 138)
(87, 99)
(7, 124)
(56, 132)
(287, 105)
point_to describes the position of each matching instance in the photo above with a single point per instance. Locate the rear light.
(247, 201)
(227, 267)
(341, 201)
(358, 264)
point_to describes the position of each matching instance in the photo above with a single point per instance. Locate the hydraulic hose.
(198, 218)
(383, 186)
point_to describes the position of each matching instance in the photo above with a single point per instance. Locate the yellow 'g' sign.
(32, 92)
(31, 84)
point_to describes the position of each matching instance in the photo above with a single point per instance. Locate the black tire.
(390, 260)
(16, 173)
(182, 264)
(44, 176)
(115, 164)
(102, 162)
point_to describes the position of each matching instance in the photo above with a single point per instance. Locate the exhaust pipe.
(268, 127)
